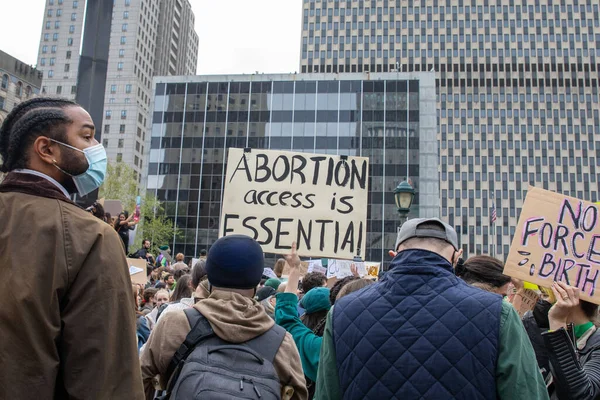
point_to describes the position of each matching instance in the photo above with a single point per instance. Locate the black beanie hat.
(235, 262)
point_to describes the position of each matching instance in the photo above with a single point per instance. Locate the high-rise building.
(378, 116)
(177, 40)
(18, 82)
(517, 86)
(132, 63)
(58, 55)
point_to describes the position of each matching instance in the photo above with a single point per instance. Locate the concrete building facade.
(177, 39)
(18, 82)
(133, 55)
(380, 116)
(517, 89)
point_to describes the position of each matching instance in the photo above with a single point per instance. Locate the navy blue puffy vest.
(420, 332)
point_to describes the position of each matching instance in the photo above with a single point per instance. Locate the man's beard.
(72, 164)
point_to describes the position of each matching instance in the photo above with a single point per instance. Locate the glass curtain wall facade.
(194, 123)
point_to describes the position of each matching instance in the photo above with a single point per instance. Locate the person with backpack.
(193, 350)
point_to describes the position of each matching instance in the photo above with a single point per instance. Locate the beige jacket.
(67, 320)
(234, 318)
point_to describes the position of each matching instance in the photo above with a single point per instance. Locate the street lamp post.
(404, 195)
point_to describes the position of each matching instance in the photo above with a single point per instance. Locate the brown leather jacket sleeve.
(289, 368)
(98, 345)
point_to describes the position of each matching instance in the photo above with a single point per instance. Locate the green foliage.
(120, 184)
(154, 225)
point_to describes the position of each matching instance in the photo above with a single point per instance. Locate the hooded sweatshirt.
(234, 318)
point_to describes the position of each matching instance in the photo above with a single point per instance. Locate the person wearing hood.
(266, 297)
(234, 267)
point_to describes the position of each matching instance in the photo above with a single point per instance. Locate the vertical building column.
(201, 171)
(93, 65)
(179, 170)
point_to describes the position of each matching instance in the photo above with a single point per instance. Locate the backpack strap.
(267, 344)
(201, 330)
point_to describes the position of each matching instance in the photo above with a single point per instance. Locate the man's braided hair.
(25, 123)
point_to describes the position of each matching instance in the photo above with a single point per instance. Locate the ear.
(46, 150)
(459, 254)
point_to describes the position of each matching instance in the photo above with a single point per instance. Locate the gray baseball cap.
(411, 229)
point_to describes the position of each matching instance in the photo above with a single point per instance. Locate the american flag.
(493, 216)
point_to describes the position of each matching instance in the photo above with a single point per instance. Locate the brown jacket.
(67, 322)
(234, 318)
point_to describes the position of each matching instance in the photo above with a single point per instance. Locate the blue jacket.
(419, 333)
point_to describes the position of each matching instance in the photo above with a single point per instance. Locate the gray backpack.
(208, 367)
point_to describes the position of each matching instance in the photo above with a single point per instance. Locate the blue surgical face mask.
(93, 177)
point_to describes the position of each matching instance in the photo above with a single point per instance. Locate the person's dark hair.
(335, 289)
(313, 320)
(108, 218)
(313, 280)
(482, 270)
(353, 287)
(117, 221)
(278, 268)
(203, 253)
(589, 309)
(180, 272)
(198, 273)
(149, 294)
(40, 116)
(182, 290)
(97, 210)
(166, 277)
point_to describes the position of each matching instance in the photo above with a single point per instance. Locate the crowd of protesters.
(74, 326)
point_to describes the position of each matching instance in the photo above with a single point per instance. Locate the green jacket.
(309, 344)
(517, 373)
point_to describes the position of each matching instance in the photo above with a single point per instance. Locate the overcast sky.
(236, 36)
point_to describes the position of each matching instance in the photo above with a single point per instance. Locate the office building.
(517, 85)
(195, 120)
(18, 82)
(132, 58)
(177, 40)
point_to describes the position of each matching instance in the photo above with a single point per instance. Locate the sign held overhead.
(278, 197)
(557, 239)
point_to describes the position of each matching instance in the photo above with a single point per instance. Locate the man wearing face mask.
(423, 333)
(66, 323)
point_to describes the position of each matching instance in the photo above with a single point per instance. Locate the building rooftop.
(21, 70)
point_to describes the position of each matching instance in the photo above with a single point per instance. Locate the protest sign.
(303, 269)
(137, 271)
(372, 269)
(339, 268)
(114, 207)
(279, 197)
(525, 301)
(557, 239)
(269, 272)
(316, 266)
